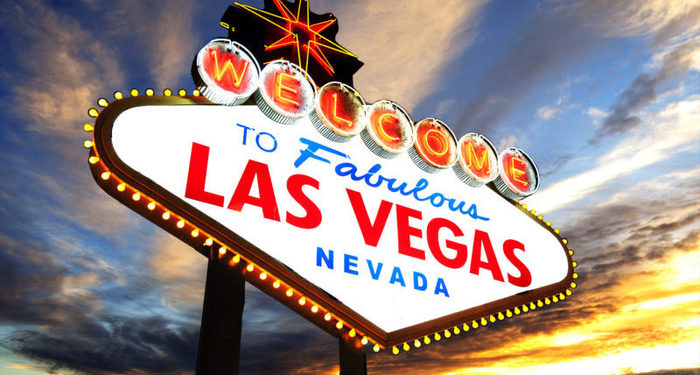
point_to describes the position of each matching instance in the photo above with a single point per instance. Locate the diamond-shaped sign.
(355, 242)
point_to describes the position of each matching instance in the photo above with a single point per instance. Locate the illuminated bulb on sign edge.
(376, 348)
(151, 206)
(327, 317)
(118, 95)
(263, 276)
(364, 341)
(314, 309)
(222, 250)
(339, 325)
(209, 242)
(121, 187)
(136, 196)
(87, 144)
(105, 175)
(276, 284)
(166, 215)
(250, 267)
(289, 292)
(181, 224)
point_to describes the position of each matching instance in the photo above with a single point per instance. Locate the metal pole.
(220, 332)
(353, 360)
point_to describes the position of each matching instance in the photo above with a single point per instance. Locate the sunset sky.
(603, 95)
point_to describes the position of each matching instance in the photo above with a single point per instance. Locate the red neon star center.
(303, 37)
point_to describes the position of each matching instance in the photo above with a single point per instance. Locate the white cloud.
(405, 45)
(548, 113)
(671, 131)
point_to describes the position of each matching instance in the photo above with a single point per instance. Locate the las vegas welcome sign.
(366, 222)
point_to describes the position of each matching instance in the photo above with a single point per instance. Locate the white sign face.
(395, 244)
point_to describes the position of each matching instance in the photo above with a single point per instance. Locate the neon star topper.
(290, 31)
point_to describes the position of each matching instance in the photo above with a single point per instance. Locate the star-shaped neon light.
(305, 38)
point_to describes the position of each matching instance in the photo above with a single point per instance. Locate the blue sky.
(604, 95)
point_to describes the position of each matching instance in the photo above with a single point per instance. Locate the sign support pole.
(353, 360)
(222, 314)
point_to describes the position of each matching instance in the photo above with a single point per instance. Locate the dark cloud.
(644, 90)
(554, 38)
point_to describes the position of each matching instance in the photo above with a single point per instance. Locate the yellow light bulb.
(149, 92)
(539, 303)
(88, 127)
(492, 318)
(302, 301)
(416, 343)
(376, 348)
(182, 92)
(136, 196)
(447, 334)
(475, 324)
(236, 258)
(517, 311)
(456, 331)
(87, 144)
(167, 92)
(121, 187)
(406, 347)
(289, 292)
(195, 92)
(339, 325)
(151, 206)
(102, 102)
(549, 223)
(118, 95)
(222, 250)
(556, 231)
(105, 175)
(571, 252)
(568, 292)
(509, 314)
(276, 284)
(501, 316)
(166, 215)
(134, 92)
(395, 350)
(352, 333)
(573, 285)
(525, 308)
(327, 317)
(483, 321)
(209, 242)
(564, 241)
(364, 341)
(437, 337)
(555, 299)
(93, 159)
(426, 340)
(195, 233)
(181, 224)
(574, 264)
(314, 309)
(250, 267)
(92, 112)
(263, 276)
(532, 306)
